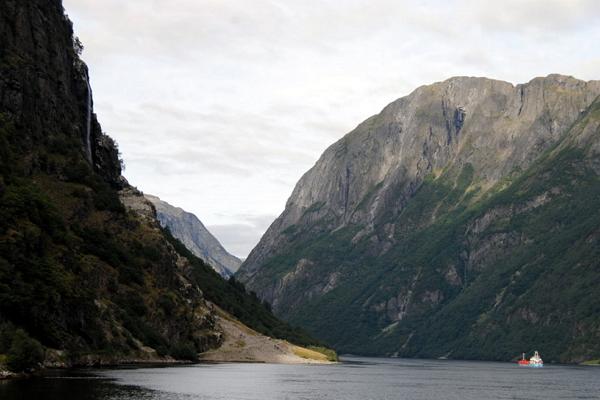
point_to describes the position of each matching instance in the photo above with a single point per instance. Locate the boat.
(523, 361)
(536, 360)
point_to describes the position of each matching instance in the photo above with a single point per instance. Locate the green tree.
(24, 353)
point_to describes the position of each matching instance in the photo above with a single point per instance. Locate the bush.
(184, 351)
(7, 331)
(25, 353)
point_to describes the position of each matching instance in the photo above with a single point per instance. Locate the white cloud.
(219, 106)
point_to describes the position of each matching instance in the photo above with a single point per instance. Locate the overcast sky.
(219, 106)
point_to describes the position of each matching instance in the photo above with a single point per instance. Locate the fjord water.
(354, 379)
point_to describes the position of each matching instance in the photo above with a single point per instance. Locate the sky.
(220, 106)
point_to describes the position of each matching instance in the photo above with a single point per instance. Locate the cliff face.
(399, 225)
(44, 91)
(193, 234)
(85, 268)
(79, 272)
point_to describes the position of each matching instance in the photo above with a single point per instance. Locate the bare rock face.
(193, 234)
(416, 205)
(44, 89)
(375, 169)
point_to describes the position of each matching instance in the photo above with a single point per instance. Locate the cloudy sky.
(219, 106)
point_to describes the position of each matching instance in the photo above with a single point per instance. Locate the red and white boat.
(535, 361)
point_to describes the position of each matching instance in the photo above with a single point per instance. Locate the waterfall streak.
(88, 145)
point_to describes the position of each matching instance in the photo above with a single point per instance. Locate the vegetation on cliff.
(233, 297)
(83, 279)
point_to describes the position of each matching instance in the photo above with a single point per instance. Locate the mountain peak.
(193, 234)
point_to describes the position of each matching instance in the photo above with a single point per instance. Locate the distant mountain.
(193, 234)
(461, 221)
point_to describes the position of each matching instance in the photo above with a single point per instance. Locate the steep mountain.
(87, 275)
(461, 221)
(191, 232)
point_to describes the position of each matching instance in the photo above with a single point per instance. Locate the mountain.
(462, 221)
(87, 274)
(191, 232)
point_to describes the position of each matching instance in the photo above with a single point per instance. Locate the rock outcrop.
(193, 234)
(355, 249)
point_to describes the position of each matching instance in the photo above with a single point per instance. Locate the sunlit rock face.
(356, 242)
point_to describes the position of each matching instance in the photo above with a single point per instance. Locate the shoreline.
(97, 362)
(6, 375)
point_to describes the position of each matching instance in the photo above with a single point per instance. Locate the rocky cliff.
(442, 226)
(87, 275)
(45, 92)
(193, 234)
(90, 280)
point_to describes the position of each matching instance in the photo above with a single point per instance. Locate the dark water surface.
(354, 379)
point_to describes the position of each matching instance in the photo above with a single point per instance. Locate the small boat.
(523, 362)
(536, 360)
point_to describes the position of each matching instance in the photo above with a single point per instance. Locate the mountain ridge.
(358, 225)
(188, 228)
(308, 199)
